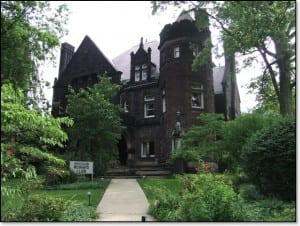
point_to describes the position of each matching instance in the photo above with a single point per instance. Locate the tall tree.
(97, 124)
(26, 137)
(30, 31)
(265, 27)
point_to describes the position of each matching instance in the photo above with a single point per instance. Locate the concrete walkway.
(123, 200)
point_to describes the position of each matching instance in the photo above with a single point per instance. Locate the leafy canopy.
(97, 124)
(30, 33)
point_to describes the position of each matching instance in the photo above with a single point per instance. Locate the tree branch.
(271, 71)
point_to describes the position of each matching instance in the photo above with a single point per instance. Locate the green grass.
(150, 186)
(76, 192)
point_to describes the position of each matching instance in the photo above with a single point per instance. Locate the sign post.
(81, 168)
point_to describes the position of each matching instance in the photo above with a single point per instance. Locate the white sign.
(79, 167)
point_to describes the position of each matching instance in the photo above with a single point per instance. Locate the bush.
(38, 208)
(56, 176)
(271, 210)
(203, 198)
(250, 192)
(79, 212)
(270, 159)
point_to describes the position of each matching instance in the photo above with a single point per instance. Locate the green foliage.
(56, 176)
(205, 197)
(201, 142)
(236, 133)
(270, 159)
(30, 32)
(78, 212)
(97, 126)
(27, 138)
(271, 210)
(249, 192)
(38, 208)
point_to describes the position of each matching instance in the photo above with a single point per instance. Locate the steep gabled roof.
(87, 59)
(122, 62)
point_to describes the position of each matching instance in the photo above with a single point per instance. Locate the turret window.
(149, 107)
(126, 106)
(164, 108)
(197, 98)
(176, 52)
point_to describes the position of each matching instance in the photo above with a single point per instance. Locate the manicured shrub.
(270, 159)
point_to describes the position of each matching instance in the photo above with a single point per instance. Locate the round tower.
(186, 93)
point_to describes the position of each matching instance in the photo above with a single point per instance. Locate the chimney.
(66, 54)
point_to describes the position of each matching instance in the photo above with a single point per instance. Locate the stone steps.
(139, 172)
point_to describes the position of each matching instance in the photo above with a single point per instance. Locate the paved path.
(123, 200)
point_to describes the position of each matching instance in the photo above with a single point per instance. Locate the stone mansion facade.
(160, 93)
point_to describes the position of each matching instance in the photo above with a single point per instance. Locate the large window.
(197, 99)
(176, 52)
(147, 149)
(149, 106)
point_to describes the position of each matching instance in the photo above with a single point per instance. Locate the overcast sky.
(117, 26)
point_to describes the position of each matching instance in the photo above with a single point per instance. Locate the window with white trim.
(147, 149)
(176, 52)
(149, 106)
(197, 98)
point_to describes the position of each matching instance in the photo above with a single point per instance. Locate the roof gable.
(88, 59)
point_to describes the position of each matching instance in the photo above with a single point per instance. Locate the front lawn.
(70, 201)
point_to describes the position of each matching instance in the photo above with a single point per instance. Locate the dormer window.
(144, 75)
(144, 66)
(176, 52)
(137, 73)
(137, 76)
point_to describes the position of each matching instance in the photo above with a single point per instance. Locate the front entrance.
(123, 154)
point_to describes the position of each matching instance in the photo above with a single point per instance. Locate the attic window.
(176, 52)
(144, 66)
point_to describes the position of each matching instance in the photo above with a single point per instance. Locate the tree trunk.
(285, 95)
